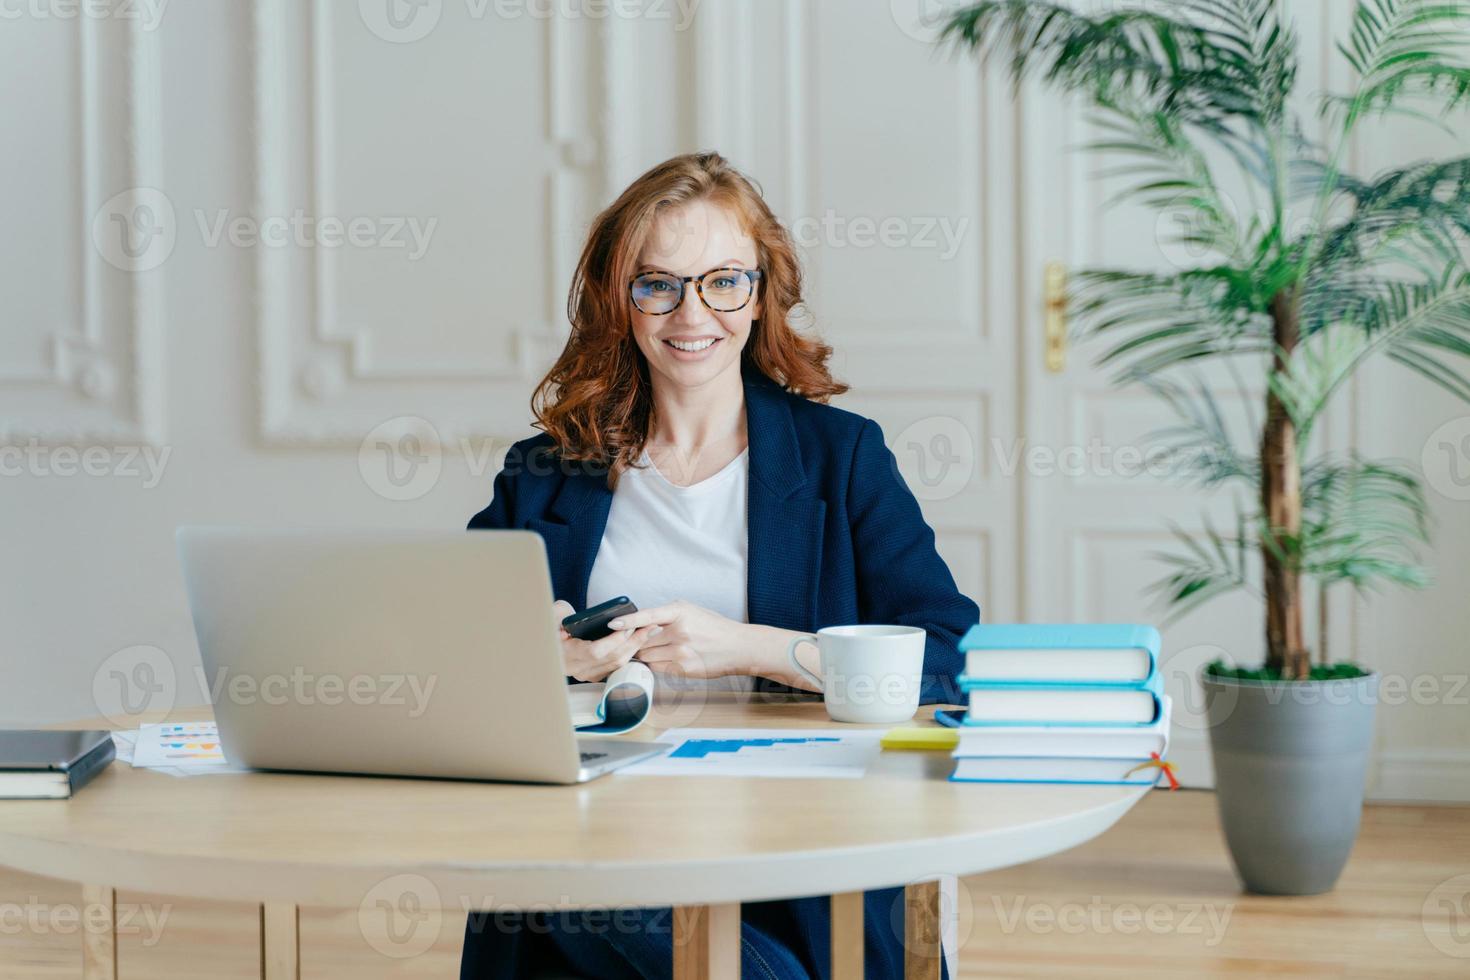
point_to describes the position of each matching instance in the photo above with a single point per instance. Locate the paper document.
(123, 741)
(190, 749)
(794, 753)
(616, 705)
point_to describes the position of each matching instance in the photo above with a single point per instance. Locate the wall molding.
(320, 380)
(801, 81)
(983, 543)
(103, 383)
(725, 53)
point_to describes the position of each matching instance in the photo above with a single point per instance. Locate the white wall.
(1421, 638)
(260, 374)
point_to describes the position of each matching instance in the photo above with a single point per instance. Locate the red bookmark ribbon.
(1156, 763)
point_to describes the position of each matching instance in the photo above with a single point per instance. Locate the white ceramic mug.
(869, 673)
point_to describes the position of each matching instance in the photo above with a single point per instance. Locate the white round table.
(701, 844)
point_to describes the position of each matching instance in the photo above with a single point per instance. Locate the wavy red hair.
(596, 402)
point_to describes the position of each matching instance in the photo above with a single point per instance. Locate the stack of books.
(1061, 704)
(51, 765)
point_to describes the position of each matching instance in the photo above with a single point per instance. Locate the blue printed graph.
(781, 752)
(699, 748)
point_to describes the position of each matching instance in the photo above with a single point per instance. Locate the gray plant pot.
(1290, 762)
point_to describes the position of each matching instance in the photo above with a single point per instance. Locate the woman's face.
(692, 241)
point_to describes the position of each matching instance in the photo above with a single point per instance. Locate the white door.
(1098, 507)
(894, 184)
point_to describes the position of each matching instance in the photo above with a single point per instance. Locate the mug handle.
(791, 656)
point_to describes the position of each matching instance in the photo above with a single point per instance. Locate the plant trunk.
(1322, 625)
(1281, 502)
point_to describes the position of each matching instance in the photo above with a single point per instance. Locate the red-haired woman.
(688, 460)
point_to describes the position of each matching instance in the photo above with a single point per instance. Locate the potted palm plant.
(1325, 270)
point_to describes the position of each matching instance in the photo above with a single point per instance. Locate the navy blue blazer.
(835, 537)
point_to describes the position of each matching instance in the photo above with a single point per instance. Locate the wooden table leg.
(280, 941)
(99, 939)
(847, 936)
(707, 942)
(922, 953)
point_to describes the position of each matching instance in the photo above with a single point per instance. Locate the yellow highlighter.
(921, 739)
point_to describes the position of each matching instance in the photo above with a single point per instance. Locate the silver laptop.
(407, 653)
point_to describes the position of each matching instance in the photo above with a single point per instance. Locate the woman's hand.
(696, 642)
(593, 660)
(690, 640)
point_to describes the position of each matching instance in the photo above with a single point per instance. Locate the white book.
(1076, 665)
(1014, 702)
(1068, 741)
(1061, 770)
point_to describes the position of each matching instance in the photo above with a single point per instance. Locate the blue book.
(1116, 654)
(1030, 703)
(1022, 769)
(1061, 741)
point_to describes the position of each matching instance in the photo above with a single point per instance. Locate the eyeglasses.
(722, 290)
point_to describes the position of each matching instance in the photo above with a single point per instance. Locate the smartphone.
(591, 623)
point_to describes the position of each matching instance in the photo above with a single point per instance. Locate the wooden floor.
(1154, 897)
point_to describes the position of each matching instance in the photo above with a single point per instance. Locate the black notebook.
(36, 765)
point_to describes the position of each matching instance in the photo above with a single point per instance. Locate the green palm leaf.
(1379, 268)
(1400, 48)
(1361, 520)
(1195, 71)
(1409, 322)
(1154, 322)
(1208, 565)
(1168, 172)
(1427, 204)
(1199, 447)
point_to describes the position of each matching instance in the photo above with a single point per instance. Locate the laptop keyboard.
(593, 756)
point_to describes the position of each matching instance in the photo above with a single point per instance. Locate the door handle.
(1056, 316)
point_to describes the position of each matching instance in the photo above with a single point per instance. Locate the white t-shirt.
(665, 542)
